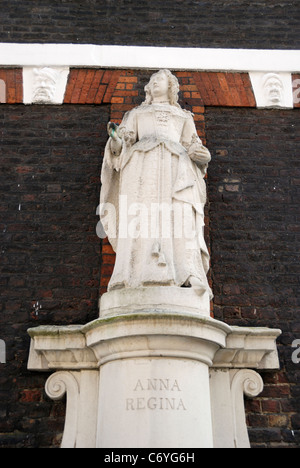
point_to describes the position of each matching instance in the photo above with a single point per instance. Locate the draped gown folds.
(152, 200)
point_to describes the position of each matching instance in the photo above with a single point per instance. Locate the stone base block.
(150, 299)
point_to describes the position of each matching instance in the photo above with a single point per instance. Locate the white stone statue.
(153, 193)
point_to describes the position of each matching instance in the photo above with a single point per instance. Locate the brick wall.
(253, 186)
(50, 253)
(53, 266)
(219, 23)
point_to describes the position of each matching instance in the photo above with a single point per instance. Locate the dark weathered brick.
(220, 23)
(50, 253)
(255, 246)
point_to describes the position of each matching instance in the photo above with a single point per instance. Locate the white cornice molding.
(174, 58)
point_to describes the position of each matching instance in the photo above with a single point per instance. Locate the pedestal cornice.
(152, 335)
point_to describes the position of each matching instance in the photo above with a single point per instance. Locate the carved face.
(159, 85)
(273, 89)
(45, 85)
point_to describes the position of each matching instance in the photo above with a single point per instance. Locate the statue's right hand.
(112, 130)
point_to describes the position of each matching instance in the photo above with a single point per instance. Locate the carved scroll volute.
(250, 383)
(57, 386)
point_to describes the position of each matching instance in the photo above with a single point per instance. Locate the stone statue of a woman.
(153, 193)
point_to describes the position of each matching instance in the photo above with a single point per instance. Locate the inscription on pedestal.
(156, 394)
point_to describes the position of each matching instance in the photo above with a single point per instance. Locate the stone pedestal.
(153, 379)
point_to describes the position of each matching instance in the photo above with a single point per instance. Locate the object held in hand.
(112, 129)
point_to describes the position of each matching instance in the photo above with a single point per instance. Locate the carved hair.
(173, 89)
(47, 73)
(270, 76)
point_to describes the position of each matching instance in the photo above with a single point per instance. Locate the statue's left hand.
(199, 154)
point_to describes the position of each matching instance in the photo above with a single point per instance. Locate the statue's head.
(161, 82)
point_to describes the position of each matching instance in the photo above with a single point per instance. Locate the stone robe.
(158, 195)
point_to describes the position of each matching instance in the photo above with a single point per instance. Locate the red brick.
(106, 270)
(248, 89)
(10, 87)
(225, 89)
(86, 86)
(218, 92)
(19, 85)
(111, 86)
(29, 396)
(239, 85)
(204, 87)
(46, 294)
(278, 420)
(199, 117)
(128, 79)
(183, 74)
(236, 100)
(189, 88)
(198, 109)
(94, 87)
(107, 76)
(108, 259)
(71, 85)
(100, 93)
(123, 92)
(78, 86)
(23, 169)
(104, 281)
(10, 95)
(107, 248)
(117, 100)
(270, 406)
(226, 95)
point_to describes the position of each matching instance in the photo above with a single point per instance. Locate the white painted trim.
(174, 58)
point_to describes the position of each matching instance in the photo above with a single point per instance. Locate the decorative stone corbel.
(44, 85)
(57, 386)
(246, 382)
(81, 390)
(228, 387)
(272, 90)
